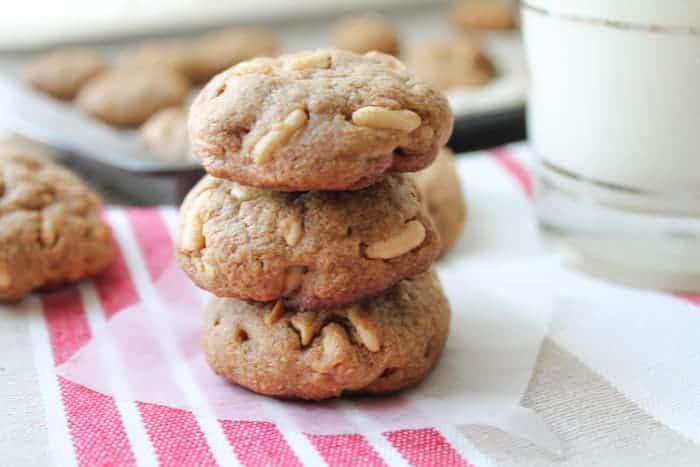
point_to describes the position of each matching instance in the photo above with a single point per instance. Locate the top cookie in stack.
(321, 120)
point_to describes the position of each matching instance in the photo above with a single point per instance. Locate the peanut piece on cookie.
(275, 313)
(252, 68)
(319, 60)
(5, 276)
(411, 235)
(304, 323)
(366, 328)
(293, 279)
(279, 135)
(381, 118)
(292, 230)
(192, 236)
(244, 193)
(50, 224)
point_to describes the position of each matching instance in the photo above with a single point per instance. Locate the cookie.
(451, 63)
(62, 72)
(51, 231)
(312, 249)
(484, 15)
(321, 120)
(366, 33)
(217, 51)
(126, 97)
(380, 346)
(165, 135)
(441, 192)
(174, 55)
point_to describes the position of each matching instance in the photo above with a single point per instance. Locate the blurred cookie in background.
(128, 96)
(172, 54)
(51, 229)
(62, 72)
(441, 194)
(451, 62)
(484, 15)
(365, 33)
(165, 135)
(217, 51)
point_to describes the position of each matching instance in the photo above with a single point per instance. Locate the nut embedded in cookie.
(319, 120)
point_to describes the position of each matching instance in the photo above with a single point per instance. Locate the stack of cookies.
(316, 246)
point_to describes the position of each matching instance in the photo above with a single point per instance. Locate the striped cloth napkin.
(617, 376)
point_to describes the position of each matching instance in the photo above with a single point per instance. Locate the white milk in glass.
(614, 118)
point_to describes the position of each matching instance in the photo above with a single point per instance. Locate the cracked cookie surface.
(51, 231)
(380, 346)
(442, 195)
(321, 120)
(312, 249)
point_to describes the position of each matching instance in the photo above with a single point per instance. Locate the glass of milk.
(614, 118)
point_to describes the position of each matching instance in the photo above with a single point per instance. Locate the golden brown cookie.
(484, 15)
(320, 120)
(51, 231)
(62, 72)
(165, 135)
(442, 195)
(174, 55)
(451, 63)
(312, 249)
(219, 50)
(126, 97)
(380, 346)
(365, 33)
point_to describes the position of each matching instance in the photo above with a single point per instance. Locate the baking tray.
(118, 159)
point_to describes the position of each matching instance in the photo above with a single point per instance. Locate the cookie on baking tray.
(165, 135)
(484, 15)
(379, 346)
(51, 231)
(451, 62)
(62, 72)
(366, 33)
(442, 195)
(322, 120)
(311, 249)
(219, 50)
(127, 96)
(171, 54)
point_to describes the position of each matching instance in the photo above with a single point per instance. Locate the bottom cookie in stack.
(379, 346)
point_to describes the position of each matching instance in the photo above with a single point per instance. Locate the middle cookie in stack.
(337, 297)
